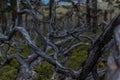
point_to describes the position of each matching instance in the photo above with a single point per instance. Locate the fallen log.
(96, 51)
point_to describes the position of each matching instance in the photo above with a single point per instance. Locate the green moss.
(14, 64)
(78, 55)
(25, 50)
(44, 71)
(12, 50)
(101, 65)
(38, 42)
(8, 73)
(50, 51)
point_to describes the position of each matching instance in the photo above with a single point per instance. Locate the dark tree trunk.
(94, 16)
(14, 14)
(52, 15)
(96, 52)
(50, 7)
(105, 18)
(88, 18)
(105, 15)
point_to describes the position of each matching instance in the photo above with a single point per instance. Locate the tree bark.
(96, 51)
(94, 16)
(88, 17)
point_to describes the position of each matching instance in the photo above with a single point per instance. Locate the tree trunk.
(94, 16)
(52, 15)
(88, 18)
(96, 51)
